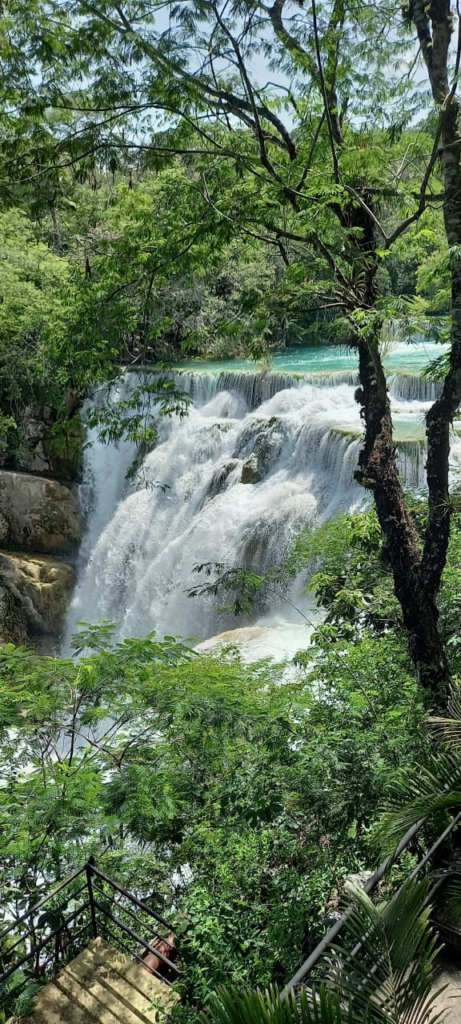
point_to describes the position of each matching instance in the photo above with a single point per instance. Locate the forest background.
(160, 201)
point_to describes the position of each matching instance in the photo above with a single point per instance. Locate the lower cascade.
(258, 458)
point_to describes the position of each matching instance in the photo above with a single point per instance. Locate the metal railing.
(45, 936)
(328, 939)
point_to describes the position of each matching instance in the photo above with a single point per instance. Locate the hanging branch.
(326, 101)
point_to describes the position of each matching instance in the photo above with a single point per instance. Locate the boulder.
(261, 439)
(250, 471)
(35, 591)
(220, 477)
(37, 514)
(64, 451)
(48, 453)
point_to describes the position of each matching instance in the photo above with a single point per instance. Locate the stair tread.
(139, 1006)
(108, 996)
(448, 1003)
(102, 986)
(137, 975)
(143, 984)
(53, 1007)
(96, 1000)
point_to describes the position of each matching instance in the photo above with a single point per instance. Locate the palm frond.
(233, 1006)
(385, 979)
(389, 973)
(435, 787)
(447, 730)
(452, 901)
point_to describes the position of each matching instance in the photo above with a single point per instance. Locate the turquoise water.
(403, 357)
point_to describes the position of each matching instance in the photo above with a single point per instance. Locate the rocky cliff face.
(37, 514)
(40, 529)
(34, 593)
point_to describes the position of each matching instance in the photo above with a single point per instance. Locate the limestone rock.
(262, 439)
(219, 478)
(46, 452)
(35, 591)
(4, 530)
(250, 471)
(360, 878)
(13, 620)
(65, 455)
(40, 514)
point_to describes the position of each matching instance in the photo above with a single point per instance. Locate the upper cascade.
(258, 458)
(259, 386)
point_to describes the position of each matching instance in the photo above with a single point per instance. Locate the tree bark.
(56, 229)
(417, 575)
(378, 472)
(434, 24)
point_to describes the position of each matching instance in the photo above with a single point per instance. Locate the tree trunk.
(434, 23)
(378, 472)
(417, 575)
(56, 229)
(440, 416)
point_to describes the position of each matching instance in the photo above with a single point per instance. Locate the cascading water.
(258, 458)
(256, 388)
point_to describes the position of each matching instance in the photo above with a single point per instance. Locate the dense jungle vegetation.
(220, 179)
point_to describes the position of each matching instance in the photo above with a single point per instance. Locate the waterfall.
(256, 387)
(258, 458)
(412, 388)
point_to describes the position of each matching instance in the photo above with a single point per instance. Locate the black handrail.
(129, 931)
(369, 887)
(126, 910)
(41, 903)
(97, 914)
(116, 938)
(129, 895)
(29, 932)
(89, 882)
(38, 949)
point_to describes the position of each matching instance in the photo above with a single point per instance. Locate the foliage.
(199, 783)
(345, 565)
(157, 195)
(388, 978)
(435, 789)
(33, 281)
(235, 1007)
(419, 265)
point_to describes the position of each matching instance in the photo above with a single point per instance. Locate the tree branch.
(326, 98)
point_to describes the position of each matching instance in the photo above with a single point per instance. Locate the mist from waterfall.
(258, 458)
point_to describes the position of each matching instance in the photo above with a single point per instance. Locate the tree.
(316, 190)
(34, 285)
(434, 25)
(198, 783)
(156, 274)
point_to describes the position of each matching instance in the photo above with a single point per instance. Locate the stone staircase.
(101, 986)
(448, 1003)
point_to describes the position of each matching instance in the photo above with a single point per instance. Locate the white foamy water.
(263, 641)
(296, 442)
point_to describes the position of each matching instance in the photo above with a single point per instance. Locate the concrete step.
(448, 1003)
(101, 986)
(120, 971)
(99, 1002)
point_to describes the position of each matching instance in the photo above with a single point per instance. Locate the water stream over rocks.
(260, 456)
